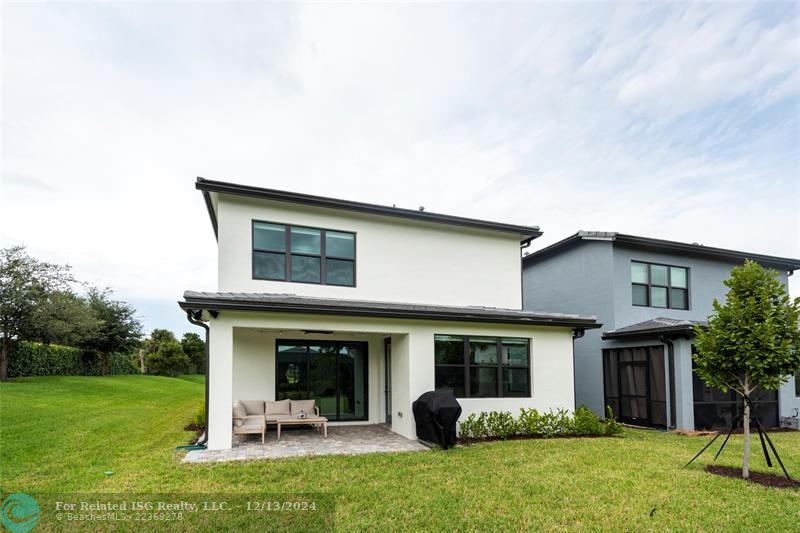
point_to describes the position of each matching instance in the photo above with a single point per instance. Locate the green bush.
(199, 419)
(474, 427)
(548, 424)
(36, 359)
(532, 423)
(612, 427)
(169, 360)
(585, 423)
(501, 424)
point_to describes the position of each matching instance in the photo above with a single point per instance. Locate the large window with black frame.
(303, 254)
(654, 285)
(483, 367)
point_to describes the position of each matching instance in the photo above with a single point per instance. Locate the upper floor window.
(482, 367)
(303, 255)
(654, 285)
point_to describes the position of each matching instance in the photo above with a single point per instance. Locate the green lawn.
(60, 434)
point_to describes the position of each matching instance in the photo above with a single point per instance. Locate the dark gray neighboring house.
(648, 293)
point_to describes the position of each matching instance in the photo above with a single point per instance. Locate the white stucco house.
(364, 307)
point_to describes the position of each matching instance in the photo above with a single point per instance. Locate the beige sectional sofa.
(252, 416)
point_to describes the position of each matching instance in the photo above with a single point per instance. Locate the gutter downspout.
(204, 437)
(671, 364)
(577, 333)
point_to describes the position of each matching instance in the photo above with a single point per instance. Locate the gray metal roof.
(525, 233)
(291, 303)
(654, 327)
(663, 246)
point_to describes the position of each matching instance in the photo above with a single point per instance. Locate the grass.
(60, 434)
(194, 378)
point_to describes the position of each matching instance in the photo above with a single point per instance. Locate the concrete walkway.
(300, 442)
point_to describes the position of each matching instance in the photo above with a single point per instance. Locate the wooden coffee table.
(316, 421)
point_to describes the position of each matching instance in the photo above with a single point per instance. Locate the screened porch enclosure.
(636, 385)
(333, 373)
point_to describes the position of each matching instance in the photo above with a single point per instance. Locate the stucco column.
(402, 417)
(421, 364)
(220, 394)
(684, 395)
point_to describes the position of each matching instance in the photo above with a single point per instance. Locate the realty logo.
(20, 513)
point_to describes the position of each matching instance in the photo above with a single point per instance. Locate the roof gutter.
(649, 333)
(326, 309)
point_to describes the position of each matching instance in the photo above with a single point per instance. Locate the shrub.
(169, 360)
(474, 427)
(36, 359)
(549, 424)
(501, 424)
(532, 423)
(612, 427)
(199, 419)
(586, 423)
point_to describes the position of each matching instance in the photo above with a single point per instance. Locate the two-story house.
(648, 293)
(365, 307)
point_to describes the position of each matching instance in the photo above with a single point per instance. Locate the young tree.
(168, 360)
(117, 330)
(195, 349)
(24, 283)
(752, 341)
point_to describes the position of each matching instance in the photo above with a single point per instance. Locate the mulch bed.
(767, 480)
(197, 429)
(471, 441)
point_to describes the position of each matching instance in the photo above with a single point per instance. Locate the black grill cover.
(436, 414)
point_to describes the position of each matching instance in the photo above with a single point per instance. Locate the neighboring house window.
(482, 367)
(303, 255)
(797, 384)
(654, 285)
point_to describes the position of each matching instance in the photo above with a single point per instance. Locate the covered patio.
(303, 441)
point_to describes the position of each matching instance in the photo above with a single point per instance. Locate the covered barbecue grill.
(436, 414)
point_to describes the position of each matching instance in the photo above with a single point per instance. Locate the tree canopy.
(168, 360)
(25, 283)
(195, 348)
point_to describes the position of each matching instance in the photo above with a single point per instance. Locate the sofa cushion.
(303, 405)
(277, 418)
(253, 407)
(238, 410)
(278, 408)
(254, 423)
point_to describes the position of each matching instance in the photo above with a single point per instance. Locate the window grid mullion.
(288, 241)
(323, 278)
(467, 388)
(498, 361)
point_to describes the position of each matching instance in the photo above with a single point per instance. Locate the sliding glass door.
(334, 373)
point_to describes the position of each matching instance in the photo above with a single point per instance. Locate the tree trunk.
(103, 363)
(4, 342)
(746, 427)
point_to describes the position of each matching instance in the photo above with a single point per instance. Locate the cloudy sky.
(672, 121)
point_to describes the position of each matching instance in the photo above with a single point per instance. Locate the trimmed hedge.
(532, 423)
(36, 359)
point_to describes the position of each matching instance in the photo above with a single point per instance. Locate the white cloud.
(673, 121)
